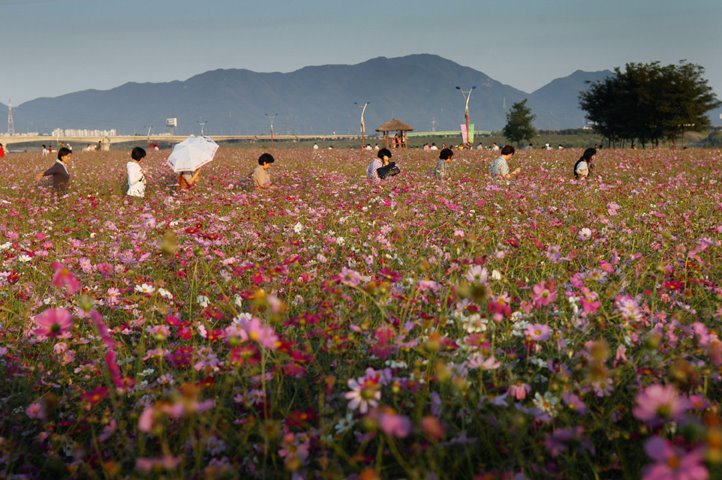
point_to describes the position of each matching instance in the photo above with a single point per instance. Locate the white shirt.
(136, 180)
(582, 169)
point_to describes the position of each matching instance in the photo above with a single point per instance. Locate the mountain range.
(417, 89)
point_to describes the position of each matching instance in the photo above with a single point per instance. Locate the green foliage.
(519, 123)
(650, 102)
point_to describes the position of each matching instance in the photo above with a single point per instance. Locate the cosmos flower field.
(543, 328)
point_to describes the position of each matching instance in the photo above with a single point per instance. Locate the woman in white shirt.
(136, 174)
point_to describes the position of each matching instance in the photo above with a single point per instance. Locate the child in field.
(261, 178)
(136, 174)
(2, 151)
(441, 170)
(584, 166)
(59, 171)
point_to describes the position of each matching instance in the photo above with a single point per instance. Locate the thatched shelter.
(397, 126)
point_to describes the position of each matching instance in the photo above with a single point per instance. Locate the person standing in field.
(500, 166)
(136, 174)
(260, 176)
(441, 170)
(584, 166)
(59, 171)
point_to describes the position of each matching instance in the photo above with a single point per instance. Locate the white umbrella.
(191, 154)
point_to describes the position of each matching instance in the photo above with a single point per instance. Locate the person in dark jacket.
(59, 171)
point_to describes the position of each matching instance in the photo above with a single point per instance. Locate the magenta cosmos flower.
(544, 294)
(64, 278)
(658, 403)
(53, 322)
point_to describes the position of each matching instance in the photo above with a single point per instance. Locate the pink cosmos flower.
(53, 322)
(658, 403)
(36, 411)
(544, 294)
(537, 332)
(395, 425)
(146, 419)
(148, 465)
(590, 301)
(673, 463)
(519, 390)
(63, 278)
(350, 277)
(260, 333)
(628, 308)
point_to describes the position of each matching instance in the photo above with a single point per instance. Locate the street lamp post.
(271, 116)
(467, 95)
(363, 125)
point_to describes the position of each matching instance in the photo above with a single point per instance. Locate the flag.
(471, 133)
(463, 133)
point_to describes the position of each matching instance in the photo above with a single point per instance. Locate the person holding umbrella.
(188, 157)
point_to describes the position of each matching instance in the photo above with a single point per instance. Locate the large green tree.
(650, 102)
(519, 123)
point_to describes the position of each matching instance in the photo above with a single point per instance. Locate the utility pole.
(363, 125)
(467, 95)
(271, 116)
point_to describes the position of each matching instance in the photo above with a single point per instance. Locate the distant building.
(69, 132)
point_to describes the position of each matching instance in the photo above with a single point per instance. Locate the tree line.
(645, 103)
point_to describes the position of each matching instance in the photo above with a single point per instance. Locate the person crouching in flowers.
(442, 166)
(59, 171)
(261, 178)
(136, 174)
(383, 159)
(584, 166)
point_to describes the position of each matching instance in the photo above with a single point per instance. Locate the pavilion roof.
(394, 125)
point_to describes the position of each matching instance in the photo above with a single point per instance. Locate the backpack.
(388, 170)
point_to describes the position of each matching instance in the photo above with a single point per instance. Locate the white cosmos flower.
(165, 293)
(203, 301)
(144, 288)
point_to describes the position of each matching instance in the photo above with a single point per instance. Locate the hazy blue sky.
(52, 47)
